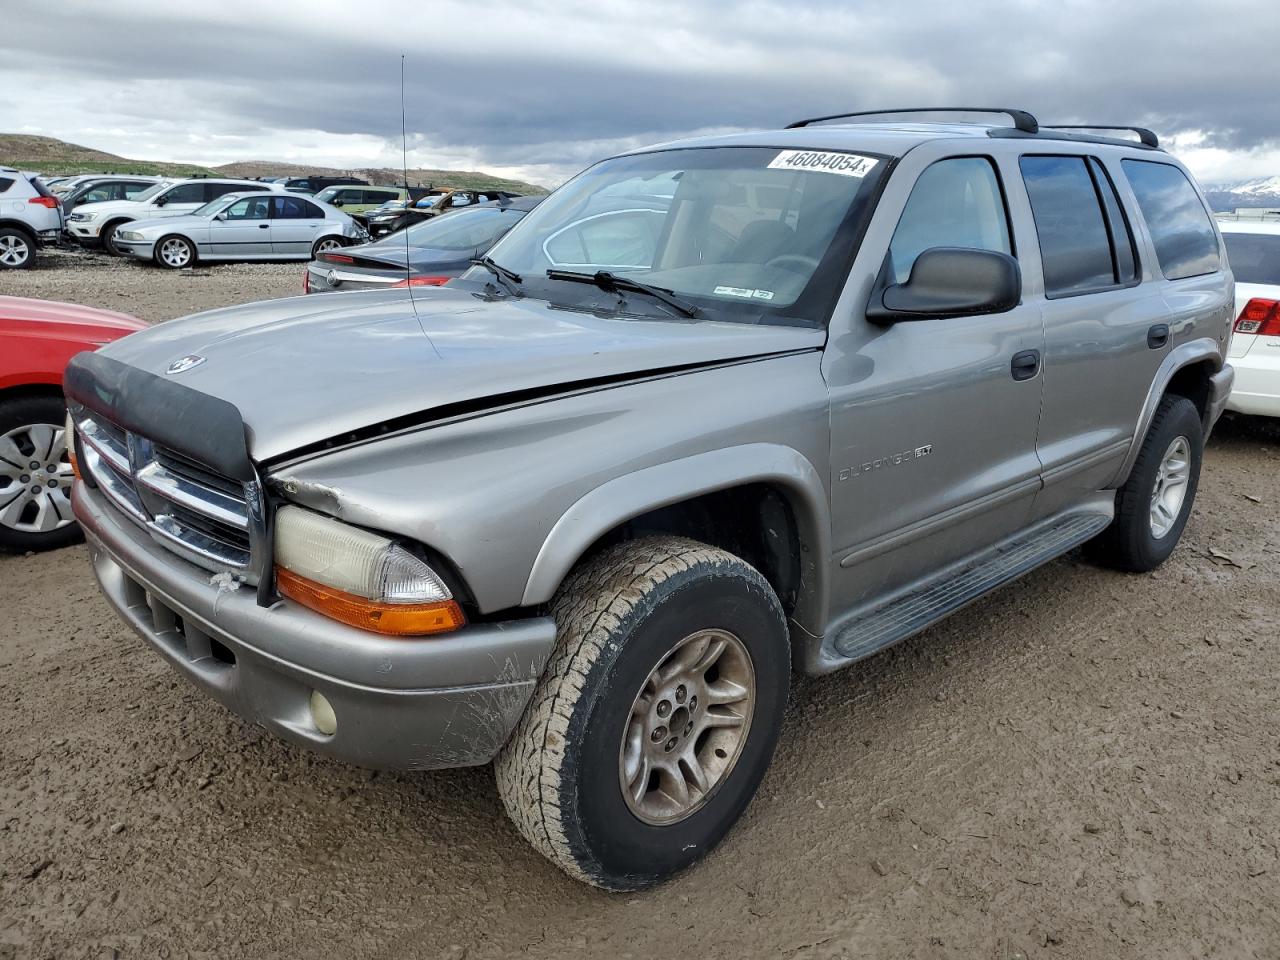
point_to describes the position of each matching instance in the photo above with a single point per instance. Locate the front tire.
(35, 476)
(657, 716)
(108, 237)
(174, 252)
(1154, 504)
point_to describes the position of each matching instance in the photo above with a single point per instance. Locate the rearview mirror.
(951, 282)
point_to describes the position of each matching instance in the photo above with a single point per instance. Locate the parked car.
(435, 251)
(316, 184)
(584, 508)
(104, 188)
(30, 218)
(95, 224)
(242, 227)
(395, 216)
(1253, 247)
(359, 199)
(37, 338)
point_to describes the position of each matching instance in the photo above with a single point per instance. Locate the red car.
(37, 338)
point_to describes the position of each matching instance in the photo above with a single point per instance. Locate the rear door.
(243, 229)
(295, 223)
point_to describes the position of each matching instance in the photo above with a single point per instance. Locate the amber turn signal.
(392, 619)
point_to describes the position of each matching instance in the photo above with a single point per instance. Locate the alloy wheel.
(14, 250)
(1170, 490)
(175, 252)
(687, 727)
(324, 246)
(35, 479)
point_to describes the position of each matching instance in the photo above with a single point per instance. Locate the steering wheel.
(801, 263)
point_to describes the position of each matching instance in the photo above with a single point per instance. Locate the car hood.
(113, 206)
(47, 317)
(307, 369)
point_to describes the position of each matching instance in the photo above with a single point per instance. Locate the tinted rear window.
(1254, 257)
(1186, 244)
(1075, 248)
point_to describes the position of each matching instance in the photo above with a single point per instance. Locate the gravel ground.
(1083, 765)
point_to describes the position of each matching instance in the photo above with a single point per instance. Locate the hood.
(112, 206)
(307, 369)
(50, 316)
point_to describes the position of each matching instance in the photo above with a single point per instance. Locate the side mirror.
(950, 282)
(337, 203)
(221, 216)
(161, 201)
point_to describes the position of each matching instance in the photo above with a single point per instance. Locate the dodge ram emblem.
(185, 363)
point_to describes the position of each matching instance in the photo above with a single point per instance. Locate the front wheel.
(657, 716)
(174, 252)
(35, 476)
(1154, 504)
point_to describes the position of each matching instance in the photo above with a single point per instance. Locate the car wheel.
(35, 476)
(1153, 505)
(17, 251)
(324, 245)
(656, 717)
(174, 252)
(108, 236)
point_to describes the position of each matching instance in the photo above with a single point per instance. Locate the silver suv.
(30, 218)
(713, 412)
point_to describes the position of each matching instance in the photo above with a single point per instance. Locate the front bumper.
(138, 249)
(85, 232)
(401, 704)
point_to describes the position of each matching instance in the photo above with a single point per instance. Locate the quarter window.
(1186, 243)
(1075, 246)
(5, 184)
(954, 203)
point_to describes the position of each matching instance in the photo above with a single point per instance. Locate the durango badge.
(183, 364)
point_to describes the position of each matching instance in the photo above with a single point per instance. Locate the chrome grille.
(189, 508)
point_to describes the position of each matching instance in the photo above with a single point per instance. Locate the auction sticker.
(845, 164)
(743, 292)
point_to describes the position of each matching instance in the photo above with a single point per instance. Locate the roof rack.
(1146, 136)
(1022, 120)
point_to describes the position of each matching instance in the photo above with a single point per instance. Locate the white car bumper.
(1257, 386)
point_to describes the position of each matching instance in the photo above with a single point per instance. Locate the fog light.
(322, 714)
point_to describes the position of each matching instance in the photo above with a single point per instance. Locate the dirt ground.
(1084, 765)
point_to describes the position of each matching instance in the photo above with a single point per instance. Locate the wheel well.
(30, 390)
(21, 227)
(755, 522)
(1193, 382)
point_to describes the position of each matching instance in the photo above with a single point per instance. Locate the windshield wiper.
(510, 279)
(612, 283)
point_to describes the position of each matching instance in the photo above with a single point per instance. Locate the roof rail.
(1146, 136)
(1022, 120)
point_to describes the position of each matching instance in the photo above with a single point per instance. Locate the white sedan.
(255, 226)
(1253, 247)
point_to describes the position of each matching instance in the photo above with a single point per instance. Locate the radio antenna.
(404, 165)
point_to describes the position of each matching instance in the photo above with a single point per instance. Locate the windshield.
(151, 191)
(327, 194)
(1254, 257)
(747, 234)
(464, 230)
(214, 206)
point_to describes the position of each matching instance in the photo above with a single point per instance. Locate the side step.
(910, 613)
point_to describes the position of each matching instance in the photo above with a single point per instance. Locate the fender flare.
(625, 497)
(1183, 355)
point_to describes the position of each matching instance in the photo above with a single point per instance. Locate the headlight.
(359, 578)
(129, 235)
(83, 217)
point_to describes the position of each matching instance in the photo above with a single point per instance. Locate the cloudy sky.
(540, 88)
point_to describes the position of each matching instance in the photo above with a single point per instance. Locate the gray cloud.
(555, 85)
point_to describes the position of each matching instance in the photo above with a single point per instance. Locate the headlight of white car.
(129, 235)
(359, 578)
(83, 217)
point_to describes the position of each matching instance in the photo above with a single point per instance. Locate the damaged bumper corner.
(400, 704)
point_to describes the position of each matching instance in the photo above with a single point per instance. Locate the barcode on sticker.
(845, 164)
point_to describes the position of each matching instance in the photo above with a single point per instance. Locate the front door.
(243, 229)
(933, 421)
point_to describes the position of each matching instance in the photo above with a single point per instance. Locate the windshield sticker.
(845, 164)
(743, 292)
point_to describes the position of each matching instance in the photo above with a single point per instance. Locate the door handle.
(1158, 336)
(1025, 364)
(264, 226)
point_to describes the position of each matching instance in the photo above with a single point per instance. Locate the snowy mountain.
(1255, 192)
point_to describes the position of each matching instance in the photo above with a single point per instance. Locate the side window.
(1117, 224)
(294, 208)
(100, 193)
(187, 193)
(1075, 248)
(379, 196)
(954, 203)
(1186, 243)
(132, 189)
(250, 208)
(5, 184)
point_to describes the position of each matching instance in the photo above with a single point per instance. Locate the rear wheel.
(174, 252)
(35, 476)
(1153, 505)
(657, 716)
(325, 245)
(17, 249)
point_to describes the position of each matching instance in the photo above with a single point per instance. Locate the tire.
(108, 237)
(1137, 541)
(26, 424)
(17, 249)
(621, 615)
(174, 252)
(324, 245)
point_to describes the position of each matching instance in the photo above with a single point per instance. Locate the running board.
(912, 612)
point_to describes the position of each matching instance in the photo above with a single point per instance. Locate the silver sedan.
(237, 226)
